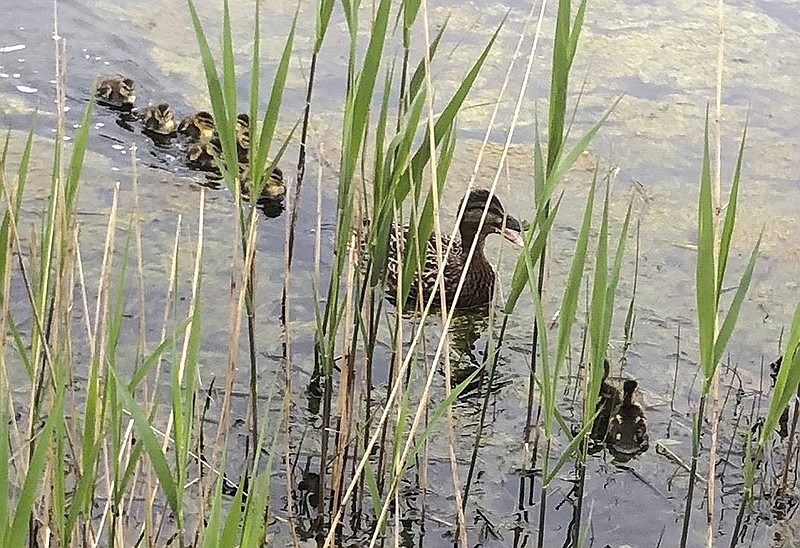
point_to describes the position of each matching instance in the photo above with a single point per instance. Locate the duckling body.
(159, 119)
(117, 91)
(627, 430)
(198, 126)
(478, 287)
(199, 157)
(608, 400)
(274, 187)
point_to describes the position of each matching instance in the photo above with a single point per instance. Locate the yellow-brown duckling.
(198, 156)
(117, 91)
(159, 119)
(274, 187)
(627, 430)
(198, 126)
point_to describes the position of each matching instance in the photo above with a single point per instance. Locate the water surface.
(659, 55)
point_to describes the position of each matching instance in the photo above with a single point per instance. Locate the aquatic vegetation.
(118, 436)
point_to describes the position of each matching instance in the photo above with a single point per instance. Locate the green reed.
(786, 387)
(391, 175)
(398, 165)
(549, 169)
(713, 245)
(223, 94)
(115, 409)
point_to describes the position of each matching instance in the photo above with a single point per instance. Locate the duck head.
(497, 220)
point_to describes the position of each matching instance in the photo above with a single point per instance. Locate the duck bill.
(513, 231)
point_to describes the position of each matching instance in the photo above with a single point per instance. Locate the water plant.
(126, 458)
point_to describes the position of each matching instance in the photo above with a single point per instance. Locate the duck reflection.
(306, 498)
(465, 331)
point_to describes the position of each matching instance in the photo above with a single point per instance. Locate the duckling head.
(242, 123)
(242, 131)
(629, 390)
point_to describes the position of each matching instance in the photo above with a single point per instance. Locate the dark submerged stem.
(687, 512)
(543, 497)
(301, 170)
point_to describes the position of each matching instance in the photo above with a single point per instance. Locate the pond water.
(660, 55)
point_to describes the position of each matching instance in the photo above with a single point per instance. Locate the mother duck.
(479, 276)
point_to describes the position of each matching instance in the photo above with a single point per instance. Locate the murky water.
(660, 55)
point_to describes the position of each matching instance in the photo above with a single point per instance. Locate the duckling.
(242, 130)
(198, 126)
(116, 91)
(159, 119)
(274, 188)
(199, 157)
(627, 431)
(478, 288)
(609, 400)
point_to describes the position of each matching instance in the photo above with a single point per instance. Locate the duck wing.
(425, 279)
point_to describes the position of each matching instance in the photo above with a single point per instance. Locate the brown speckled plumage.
(478, 287)
(159, 119)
